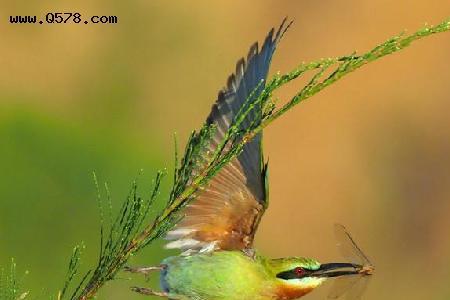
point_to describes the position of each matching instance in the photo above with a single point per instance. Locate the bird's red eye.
(299, 271)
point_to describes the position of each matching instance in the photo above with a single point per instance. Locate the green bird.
(217, 229)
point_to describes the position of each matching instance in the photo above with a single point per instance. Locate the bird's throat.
(286, 292)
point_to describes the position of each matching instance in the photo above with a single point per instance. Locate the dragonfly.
(354, 285)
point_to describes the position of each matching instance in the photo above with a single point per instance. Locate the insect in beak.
(342, 269)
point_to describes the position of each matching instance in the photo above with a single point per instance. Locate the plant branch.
(126, 235)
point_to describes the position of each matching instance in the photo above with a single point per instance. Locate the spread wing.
(226, 213)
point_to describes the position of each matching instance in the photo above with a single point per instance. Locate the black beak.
(337, 269)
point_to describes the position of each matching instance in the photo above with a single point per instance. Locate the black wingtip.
(240, 66)
(266, 51)
(272, 41)
(284, 27)
(252, 51)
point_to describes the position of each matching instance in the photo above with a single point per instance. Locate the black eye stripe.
(292, 274)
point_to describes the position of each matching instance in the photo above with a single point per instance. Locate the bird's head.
(297, 276)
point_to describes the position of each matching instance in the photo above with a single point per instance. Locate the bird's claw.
(142, 270)
(148, 292)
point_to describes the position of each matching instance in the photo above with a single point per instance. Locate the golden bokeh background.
(371, 152)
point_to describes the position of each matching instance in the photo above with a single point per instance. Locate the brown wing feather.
(226, 213)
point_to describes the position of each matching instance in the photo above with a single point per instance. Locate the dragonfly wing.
(341, 285)
(353, 286)
(348, 248)
(358, 289)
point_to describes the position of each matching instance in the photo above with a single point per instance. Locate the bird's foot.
(149, 292)
(143, 270)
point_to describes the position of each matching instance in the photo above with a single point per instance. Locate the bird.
(217, 228)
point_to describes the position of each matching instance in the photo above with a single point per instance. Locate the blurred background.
(370, 152)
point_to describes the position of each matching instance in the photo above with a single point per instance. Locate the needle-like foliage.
(117, 242)
(10, 285)
(132, 230)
